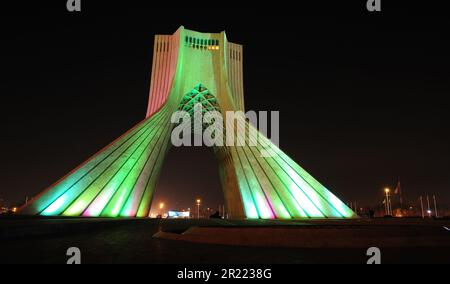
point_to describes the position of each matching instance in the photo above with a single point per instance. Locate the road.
(131, 241)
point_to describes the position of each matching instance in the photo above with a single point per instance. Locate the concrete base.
(319, 235)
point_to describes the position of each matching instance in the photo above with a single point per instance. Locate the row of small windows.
(210, 44)
(235, 55)
(162, 46)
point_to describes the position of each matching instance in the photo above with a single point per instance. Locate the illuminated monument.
(189, 68)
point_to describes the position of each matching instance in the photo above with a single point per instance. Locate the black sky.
(362, 99)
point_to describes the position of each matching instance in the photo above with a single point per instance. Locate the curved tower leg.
(113, 182)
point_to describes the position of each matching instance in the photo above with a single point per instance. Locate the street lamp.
(388, 202)
(199, 201)
(161, 207)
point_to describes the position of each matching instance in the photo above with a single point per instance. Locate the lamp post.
(435, 207)
(421, 206)
(388, 202)
(199, 201)
(161, 207)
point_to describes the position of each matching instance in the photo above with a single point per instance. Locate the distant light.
(387, 190)
(161, 205)
(199, 201)
(429, 211)
(176, 214)
(14, 210)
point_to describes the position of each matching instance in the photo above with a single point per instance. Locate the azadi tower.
(190, 68)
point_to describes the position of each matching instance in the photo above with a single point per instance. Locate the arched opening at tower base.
(188, 174)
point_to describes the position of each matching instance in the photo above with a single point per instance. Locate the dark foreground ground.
(31, 240)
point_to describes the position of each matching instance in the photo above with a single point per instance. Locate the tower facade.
(190, 68)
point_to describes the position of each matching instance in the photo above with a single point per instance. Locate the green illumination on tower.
(190, 68)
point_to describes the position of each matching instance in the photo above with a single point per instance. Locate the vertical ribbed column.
(163, 71)
(156, 72)
(168, 72)
(229, 62)
(158, 78)
(240, 97)
(151, 99)
(235, 74)
(232, 78)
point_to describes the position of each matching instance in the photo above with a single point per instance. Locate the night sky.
(362, 100)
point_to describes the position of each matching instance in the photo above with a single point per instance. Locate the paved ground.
(130, 241)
